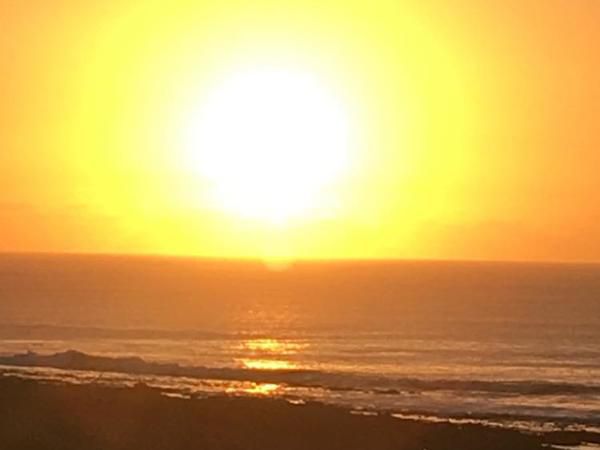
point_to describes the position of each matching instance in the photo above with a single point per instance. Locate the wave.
(333, 381)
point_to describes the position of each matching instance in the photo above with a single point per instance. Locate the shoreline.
(40, 415)
(76, 367)
(259, 390)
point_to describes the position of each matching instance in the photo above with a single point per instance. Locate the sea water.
(511, 344)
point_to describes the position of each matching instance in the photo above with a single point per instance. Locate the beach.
(63, 417)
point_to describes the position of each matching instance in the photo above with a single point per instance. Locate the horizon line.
(293, 260)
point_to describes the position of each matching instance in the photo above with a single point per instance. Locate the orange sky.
(475, 126)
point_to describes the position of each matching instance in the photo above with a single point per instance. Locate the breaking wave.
(334, 381)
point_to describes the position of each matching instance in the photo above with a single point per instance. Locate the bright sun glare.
(272, 144)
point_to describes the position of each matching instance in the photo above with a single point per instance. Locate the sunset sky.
(302, 129)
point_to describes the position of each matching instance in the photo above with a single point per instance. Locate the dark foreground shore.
(41, 416)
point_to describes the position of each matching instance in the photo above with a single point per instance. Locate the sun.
(271, 143)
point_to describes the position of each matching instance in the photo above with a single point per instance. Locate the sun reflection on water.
(265, 389)
(269, 354)
(267, 364)
(272, 346)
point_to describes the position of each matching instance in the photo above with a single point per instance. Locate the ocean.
(507, 344)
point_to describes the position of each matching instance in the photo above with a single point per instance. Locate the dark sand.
(41, 416)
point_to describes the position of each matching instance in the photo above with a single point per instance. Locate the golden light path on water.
(267, 364)
(264, 354)
(265, 389)
(268, 354)
(272, 345)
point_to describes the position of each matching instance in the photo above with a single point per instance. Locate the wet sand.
(41, 416)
